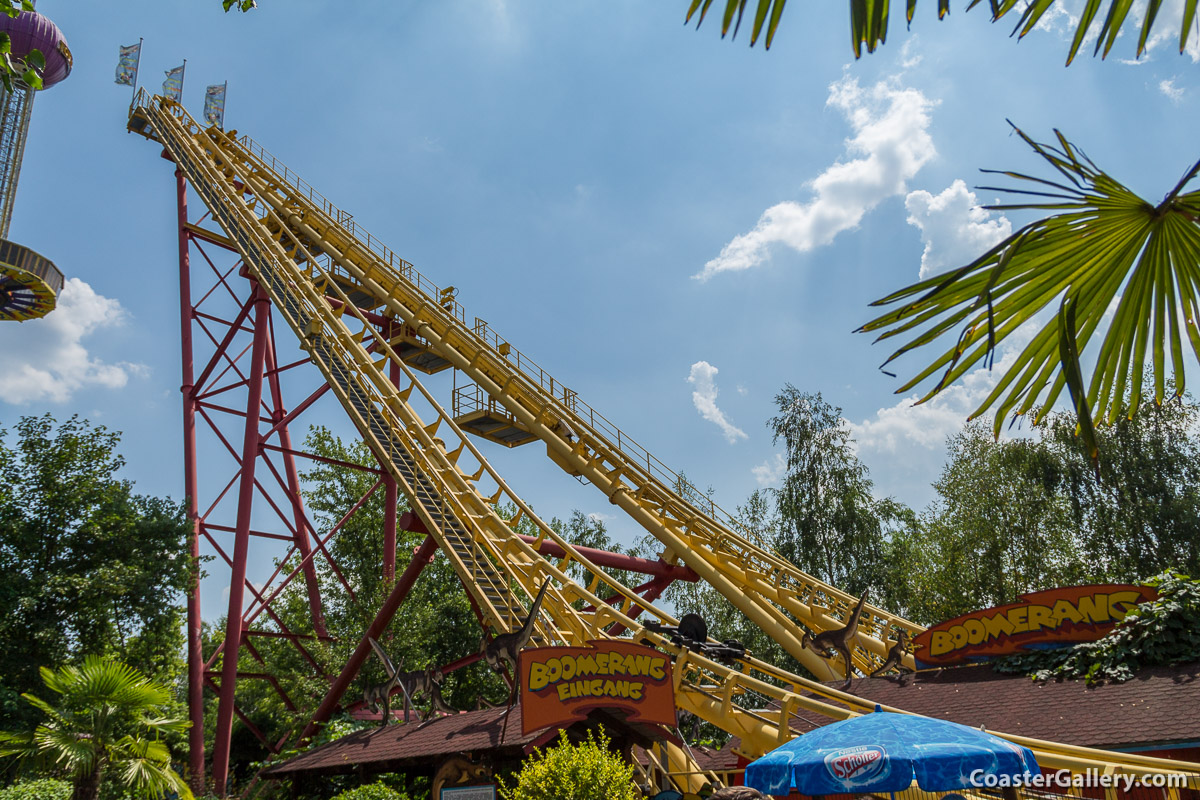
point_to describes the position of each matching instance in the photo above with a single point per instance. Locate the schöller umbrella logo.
(857, 766)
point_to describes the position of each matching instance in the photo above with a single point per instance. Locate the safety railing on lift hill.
(717, 692)
(822, 598)
(615, 437)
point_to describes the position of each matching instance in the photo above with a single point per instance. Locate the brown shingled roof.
(1160, 705)
(420, 744)
(396, 745)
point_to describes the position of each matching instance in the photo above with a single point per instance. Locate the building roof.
(395, 747)
(397, 744)
(707, 758)
(1160, 705)
(713, 760)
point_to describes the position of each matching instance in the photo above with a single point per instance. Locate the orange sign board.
(1050, 618)
(562, 684)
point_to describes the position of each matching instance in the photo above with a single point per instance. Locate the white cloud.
(600, 518)
(899, 428)
(45, 360)
(1174, 93)
(770, 471)
(891, 134)
(705, 399)
(953, 227)
(907, 59)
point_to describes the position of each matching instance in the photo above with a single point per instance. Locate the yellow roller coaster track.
(321, 270)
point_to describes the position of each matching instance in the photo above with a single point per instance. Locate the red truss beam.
(601, 558)
(242, 484)
(421, 557)
(246, 487)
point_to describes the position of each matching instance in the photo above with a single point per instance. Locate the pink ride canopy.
(29, 30)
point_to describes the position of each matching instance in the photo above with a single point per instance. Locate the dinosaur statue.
(830, 643)
(481, 703)
(421, 682)
(418, 682)
(439, 704)
(379, 695)
(502, 650)
(895, 656)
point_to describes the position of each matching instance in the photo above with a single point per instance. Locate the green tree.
(372, 791)
(434, 626)
(588, 770)
(1143, 515)
(584, 530)
(1025, 514)
(830, 524)
(1000, 526)
(107, 722)
(86, 565)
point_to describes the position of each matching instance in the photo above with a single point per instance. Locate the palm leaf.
(104, 709)
(869, 20)
(67, 748)
(1103, 248)
(145, 767)
(100, 681)
(19, 745)
(763, 9)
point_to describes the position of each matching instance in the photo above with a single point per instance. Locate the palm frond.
(145, 767)
(101, 681)
(19, 745)
(41, 705)
(105, 708)
(67, 748)
(869, 20)
(161, 725)
(736, 8)
(1103, 252)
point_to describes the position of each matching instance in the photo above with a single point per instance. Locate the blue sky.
(673, 225)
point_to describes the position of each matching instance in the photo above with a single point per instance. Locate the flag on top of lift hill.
(127, 66)
(173, 85)
(214, 105)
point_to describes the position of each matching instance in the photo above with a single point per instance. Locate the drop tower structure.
(29, 282)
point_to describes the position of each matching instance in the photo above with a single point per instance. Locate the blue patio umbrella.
(885, 752)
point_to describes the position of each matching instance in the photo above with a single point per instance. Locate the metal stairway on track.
(490, 590)
(317, 267)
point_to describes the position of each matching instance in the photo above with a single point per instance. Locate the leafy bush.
(44, 789)
(371, 791)
(586, 771)
(1161, 632)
